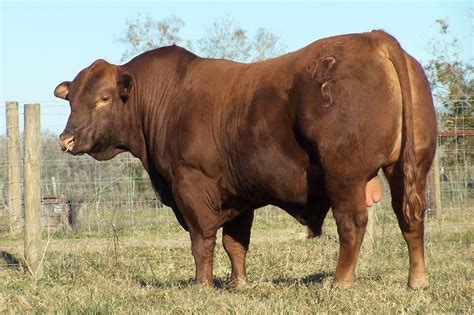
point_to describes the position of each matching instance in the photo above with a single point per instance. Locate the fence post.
(14, 181)
(434, 188)
(33, 190)
(437, 186)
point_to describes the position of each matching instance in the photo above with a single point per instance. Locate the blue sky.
(46, 42)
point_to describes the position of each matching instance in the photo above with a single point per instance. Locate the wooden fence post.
(14, 179)
(32, 159)
(437, 186)
(434, 185)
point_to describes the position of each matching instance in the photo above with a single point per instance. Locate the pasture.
(150, 269)
(79, 235)
(125, 253)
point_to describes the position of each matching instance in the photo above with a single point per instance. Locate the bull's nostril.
(66, 144)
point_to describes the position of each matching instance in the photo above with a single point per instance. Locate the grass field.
(150, 269)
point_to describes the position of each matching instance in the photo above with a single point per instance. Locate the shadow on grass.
(10, 260)
(309, 280)
(219, 283)
(224, 283)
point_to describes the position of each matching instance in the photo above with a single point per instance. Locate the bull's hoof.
(418, 283)
(203, 283)
(238, 283)
(312, 233)
(342, 284)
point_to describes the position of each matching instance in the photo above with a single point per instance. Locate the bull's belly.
(308, 187)
(282, 188)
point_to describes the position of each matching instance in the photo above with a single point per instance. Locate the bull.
(306, 131)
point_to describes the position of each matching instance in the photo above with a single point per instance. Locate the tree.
(224, 39)
(451, 79)
(144, 34)
(227, 40)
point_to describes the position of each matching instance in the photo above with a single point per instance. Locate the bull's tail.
(412, 207)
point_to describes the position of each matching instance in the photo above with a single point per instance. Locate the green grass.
(150, 270)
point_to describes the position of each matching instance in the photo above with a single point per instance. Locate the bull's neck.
(131, 132)
(153, 108)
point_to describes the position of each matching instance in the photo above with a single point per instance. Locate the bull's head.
(97, 97)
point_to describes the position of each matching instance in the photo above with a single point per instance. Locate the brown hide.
(305, 131)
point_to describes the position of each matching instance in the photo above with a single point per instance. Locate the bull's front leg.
(202, 247)
(198, 201)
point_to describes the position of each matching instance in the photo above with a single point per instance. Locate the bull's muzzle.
(66, 142)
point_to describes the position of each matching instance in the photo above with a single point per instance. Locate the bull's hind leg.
(236, 240)
(413, 235)
(350, 212)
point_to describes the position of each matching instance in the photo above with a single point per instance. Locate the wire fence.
(88, 196)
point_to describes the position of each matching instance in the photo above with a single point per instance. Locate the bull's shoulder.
(173, 53)
(174, 50)
(381, 35)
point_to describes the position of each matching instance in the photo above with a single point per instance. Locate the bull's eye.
(103, 100)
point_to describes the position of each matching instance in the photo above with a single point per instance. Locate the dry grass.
(151, 270)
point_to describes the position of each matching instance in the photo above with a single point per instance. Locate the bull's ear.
(125, 85)
(62, 90)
